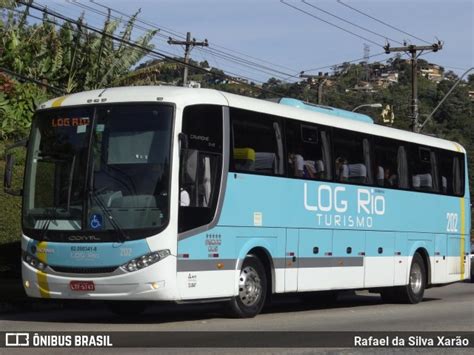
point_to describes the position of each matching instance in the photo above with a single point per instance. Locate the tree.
(71, 57)
(68, 57)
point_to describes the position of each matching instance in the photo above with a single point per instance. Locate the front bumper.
(156, 282)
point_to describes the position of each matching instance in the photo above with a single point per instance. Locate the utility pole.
(412, 49)
(189, 44)
(321, 80)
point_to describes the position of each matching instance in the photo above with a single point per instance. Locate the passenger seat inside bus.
(244, 159)
(357, 173)
(422, 182)
(139, 211)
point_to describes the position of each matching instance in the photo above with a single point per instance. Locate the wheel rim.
(416, 278)
(250, 286)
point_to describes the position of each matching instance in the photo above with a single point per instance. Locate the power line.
(162, 28)
(226, 56)
(212, 46)
(144, 49)
(347, 61)
(330, 23)
(33, 80)
(382, 22)
(351, 23)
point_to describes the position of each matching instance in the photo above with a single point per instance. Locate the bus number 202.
(452, 225)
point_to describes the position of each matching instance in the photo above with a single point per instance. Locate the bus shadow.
(345, 299)
(98, 313)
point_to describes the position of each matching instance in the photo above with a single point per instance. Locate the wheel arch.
(426, 259)
(261, 251)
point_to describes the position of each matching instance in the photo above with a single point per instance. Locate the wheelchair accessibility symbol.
(96, 221)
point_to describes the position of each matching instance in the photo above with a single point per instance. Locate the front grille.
(84, 270)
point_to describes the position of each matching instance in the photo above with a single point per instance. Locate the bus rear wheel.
(413, 292)
(252, 289)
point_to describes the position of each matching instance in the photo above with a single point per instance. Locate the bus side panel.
(380, 259)
(315, 260)
(455, 260)
(290, 267)
(348, 264)
(439, 262)
(209, 263)
(402, 260)
(206, 264)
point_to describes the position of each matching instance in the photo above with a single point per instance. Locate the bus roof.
(190, 96)
(333, 111)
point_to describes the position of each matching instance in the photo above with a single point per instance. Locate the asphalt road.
(448, 308)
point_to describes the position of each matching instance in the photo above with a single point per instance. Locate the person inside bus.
(296, 161)
(390, 179)
(184, 198)
(342, 169)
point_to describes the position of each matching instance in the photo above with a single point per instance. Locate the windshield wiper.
(121, 234)
(44, 229)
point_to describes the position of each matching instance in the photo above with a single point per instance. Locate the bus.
(163, 193)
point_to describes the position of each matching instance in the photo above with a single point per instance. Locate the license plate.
(82, 285)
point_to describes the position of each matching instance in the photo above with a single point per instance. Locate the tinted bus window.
(458, 168)
(386, 162)
(352, 159)
(446, 171)
(257, 143)
(391, 167)
(423, 169)
(451, 172)
(309, 151)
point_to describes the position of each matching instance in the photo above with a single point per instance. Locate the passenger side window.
(257, 143)
(451, 173)
(309, 151)
(424, 169)
(390, 163)
(352, 157)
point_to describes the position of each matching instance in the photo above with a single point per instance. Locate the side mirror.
(10, 160)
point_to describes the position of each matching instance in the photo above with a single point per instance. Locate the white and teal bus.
(178, 194)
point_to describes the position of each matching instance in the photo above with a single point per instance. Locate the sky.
(289, 41)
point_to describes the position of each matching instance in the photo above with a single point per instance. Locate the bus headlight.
(34, 262)
(145, 260)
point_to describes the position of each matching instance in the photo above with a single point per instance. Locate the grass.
(10, 213)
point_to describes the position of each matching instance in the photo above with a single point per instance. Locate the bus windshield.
(96, 169)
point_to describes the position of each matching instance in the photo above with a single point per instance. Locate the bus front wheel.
(252, 289)
(413, 292)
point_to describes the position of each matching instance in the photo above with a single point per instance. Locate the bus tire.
(413, 292)
(252, 289)
(127, 308)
